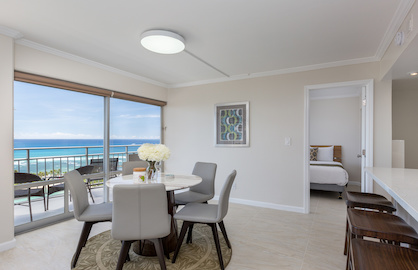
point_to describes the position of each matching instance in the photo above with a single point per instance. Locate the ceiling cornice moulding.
(83, 60)
(394, 25)
(10, 32)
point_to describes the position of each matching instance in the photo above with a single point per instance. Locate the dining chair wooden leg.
(190, 234)
(166, 248)
(349, 235)
(47, 198)
(180, 240)
(218, 246)
(43, 196)
(158, 244)
(30, 207)
(123, 254)
(222, 226)
(82, 241)
(348, 261)
(346, 237)
(128, 258)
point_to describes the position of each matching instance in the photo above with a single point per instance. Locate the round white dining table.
(172, 182)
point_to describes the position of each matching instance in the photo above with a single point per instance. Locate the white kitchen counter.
(401, 184)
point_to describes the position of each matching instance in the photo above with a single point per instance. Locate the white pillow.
(325, 153)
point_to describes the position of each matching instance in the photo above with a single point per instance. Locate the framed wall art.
(232, 124)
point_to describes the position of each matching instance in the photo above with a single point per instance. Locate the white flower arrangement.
(153, 152)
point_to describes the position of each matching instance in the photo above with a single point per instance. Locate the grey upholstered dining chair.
(139, 213)
(202, 192)
(83, 211)
(133, 157)
(209, 214)
(128, 166)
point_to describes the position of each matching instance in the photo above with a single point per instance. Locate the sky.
(42, 112)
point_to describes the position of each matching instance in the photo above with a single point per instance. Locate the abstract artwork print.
(232, 124)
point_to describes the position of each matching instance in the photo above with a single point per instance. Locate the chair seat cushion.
(381, 225)
(191, 196)
(369, 200)
(372, 255)
(97, 212)
(199, 212)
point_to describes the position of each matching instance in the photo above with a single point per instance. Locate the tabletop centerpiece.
(153, 153)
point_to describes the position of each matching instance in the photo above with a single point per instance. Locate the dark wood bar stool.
(382, 226)
(369, 201)
(367, 255)
(366, 201)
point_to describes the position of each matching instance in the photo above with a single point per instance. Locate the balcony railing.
(72, 157)
(51, 168)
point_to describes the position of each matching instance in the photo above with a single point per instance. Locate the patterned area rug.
(102, 252)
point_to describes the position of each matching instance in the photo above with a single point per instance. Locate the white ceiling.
(225, 40)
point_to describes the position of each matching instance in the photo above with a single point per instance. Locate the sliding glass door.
(56, 131)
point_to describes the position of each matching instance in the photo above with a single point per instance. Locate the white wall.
(337, 121)
(404, 121)
(398, 154)
(6, 144)
(269, 173)
(382, 135)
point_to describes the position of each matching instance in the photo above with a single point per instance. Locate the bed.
(326, 171)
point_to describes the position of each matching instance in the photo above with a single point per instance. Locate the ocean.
(49, 159)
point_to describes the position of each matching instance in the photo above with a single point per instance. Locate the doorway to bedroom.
(338, 131)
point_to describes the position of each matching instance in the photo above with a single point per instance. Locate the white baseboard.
(265, 205)
(7, 245)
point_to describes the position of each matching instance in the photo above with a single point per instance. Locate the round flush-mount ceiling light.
(162, 41)
(413, 73)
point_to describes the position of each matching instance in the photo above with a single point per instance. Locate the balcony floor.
(56, 206)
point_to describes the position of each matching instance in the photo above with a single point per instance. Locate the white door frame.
(366, 184)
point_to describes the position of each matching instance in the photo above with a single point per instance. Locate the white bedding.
(328, 172)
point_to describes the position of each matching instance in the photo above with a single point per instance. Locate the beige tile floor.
(261, 239)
